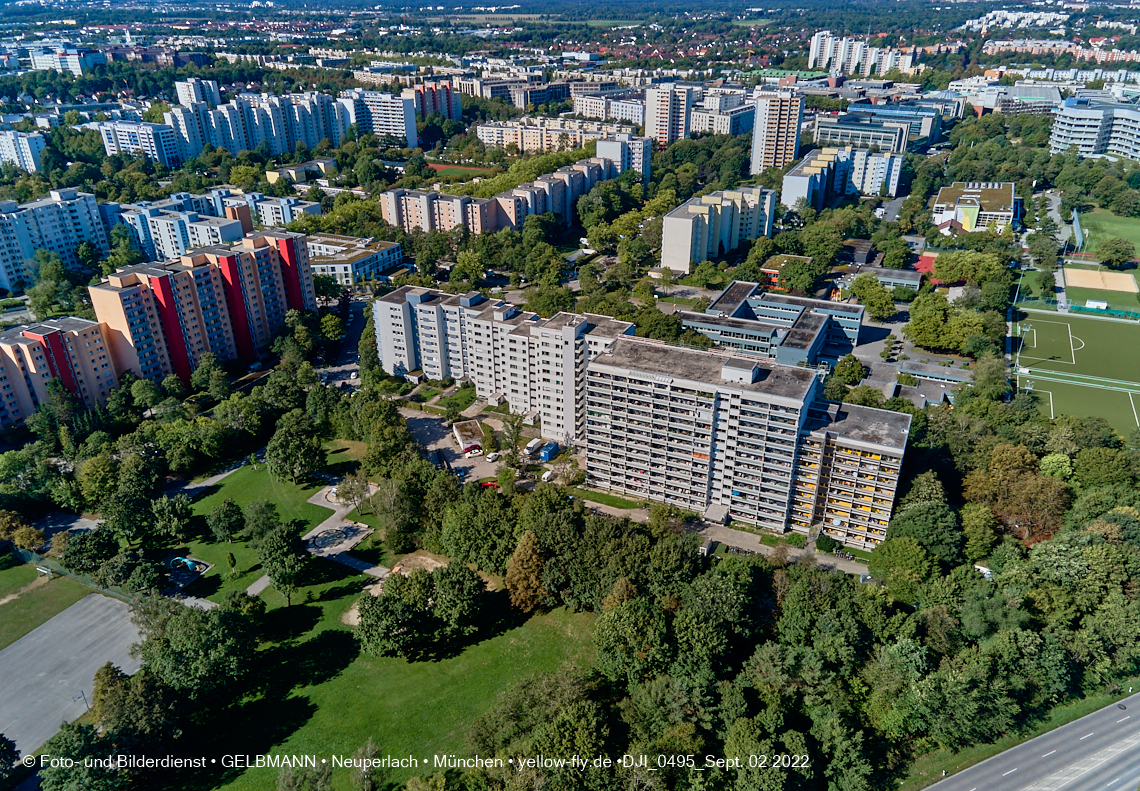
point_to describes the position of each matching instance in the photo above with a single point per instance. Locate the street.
(1099, 752)
(344, 370)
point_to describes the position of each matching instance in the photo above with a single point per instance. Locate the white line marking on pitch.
(1134, 417)
(1046, 755)
(1085, 736)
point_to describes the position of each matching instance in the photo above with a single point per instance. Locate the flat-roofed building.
(709, 226)
(69, 349)
(776, 130)
(973, 205)
(351, 259)
(861, 131)
(61, 222)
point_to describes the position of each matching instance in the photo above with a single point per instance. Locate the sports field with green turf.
(1081, 366)
(1101, 224)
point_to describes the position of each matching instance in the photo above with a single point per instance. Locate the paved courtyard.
(45, 671)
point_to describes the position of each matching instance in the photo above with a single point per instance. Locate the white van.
(547, 476)
(493, 456)
(533, 446)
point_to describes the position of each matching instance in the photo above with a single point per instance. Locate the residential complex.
(157, 142)
(77, 60)
(553, 192)
(1096, 127)
(740, 439)
(72, 350)
(830, 172)
(708, 226)
(735, 120)
(536, 365)
(974, 205)
(437, 97)
(168, 228)
(59, 223)
(623, 106)
(226, 299)
(668, 113)
(538, 135)
(849, 55)
(22, 149)
(776, 130)
(350, 259)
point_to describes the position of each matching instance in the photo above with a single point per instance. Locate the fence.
(1122, 314)
(55, 567)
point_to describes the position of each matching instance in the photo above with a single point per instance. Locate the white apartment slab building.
(59, 223)
(22, 149)
(708, 226)
(351, 259)
(536, 365)
(668, 112)
(158, 142)
(741, 439)
(828, 172)
(382, 114)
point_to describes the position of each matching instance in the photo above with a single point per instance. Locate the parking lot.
(433, 434)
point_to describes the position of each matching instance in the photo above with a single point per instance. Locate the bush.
(825, 543)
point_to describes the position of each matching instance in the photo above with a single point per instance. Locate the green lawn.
(460, 399)
(1117, 300)
(343, 456)
(1102, 224)
(31, 609)
(244, 486)
(418, 709)
(1029, 293)
(611, 500)
(14, 574)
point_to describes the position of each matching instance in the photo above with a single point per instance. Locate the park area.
(1085, 283)
(1082, 366)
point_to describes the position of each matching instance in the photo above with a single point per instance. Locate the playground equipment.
(191, 565)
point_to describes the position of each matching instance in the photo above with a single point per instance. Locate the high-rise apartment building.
(828, 172)
(776, 130)
(195, 90)
(437, 97)
(225, 299)
(158, 142)
(627, 151)
(382, 114)
(60, 223)
(741, 439)
(536, 365)
(668, 113)
(22, 149)
(709, 226)
(73, 350)
(849, 55)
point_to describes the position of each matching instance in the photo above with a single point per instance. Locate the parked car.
(493, 456)
(548, 476)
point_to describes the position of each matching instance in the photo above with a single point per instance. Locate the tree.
(850, 370)
(967, 265)
(469, 266)
(8, 756)
(353, 489)
(283, 556)
(137, 711)
(331, 327)
(225, 520)
(980, 527)
(800, 275)
(1115, 252)
(934, 526)
(88, 750)
(632, 641)
(260, 519)
(822, 242)
(1044, 249)
(88, 550)
(367, 774)
(310, 778)
(204, 371)
(195, 652)
(925, 488)
(174, 387)
(145, 393)
(1102, 467)
(873, 295)
(524, 574)
(294, 451)
(98, 479)
(172, 516)
(929, 314)
(902, 565)
(327, 288)
(1057, 465)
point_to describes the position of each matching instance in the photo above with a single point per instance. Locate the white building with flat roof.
(59, 223)
(709, 226)
(22, 149)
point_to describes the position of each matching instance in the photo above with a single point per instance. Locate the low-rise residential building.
(710, 226)
(69, 349)
(973, 205)
(299, 174)
(59, 223)
(351, 259)
(539, 135)
(22, 149)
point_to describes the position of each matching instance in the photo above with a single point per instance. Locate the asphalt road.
(1099, 752)
(45, 670)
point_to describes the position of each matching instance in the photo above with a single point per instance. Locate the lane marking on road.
(1122, 719)
(1112, 782)
(1046, 755)
(1084, 766)
(1085, 736)
(1011, 771)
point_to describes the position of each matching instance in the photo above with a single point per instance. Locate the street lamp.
(83, 697)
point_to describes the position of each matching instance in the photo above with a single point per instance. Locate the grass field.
(612, 500)
(408, 708)
(1117, 300)
(243, 487)
(1102, 224)
(1082, 366)
(460, 399)
(35, 607)
(457, 170)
